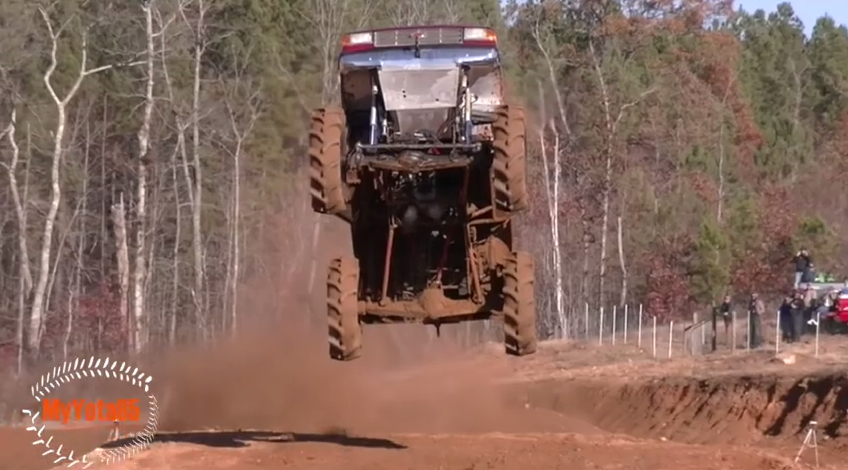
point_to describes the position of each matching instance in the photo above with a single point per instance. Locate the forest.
(153, 154)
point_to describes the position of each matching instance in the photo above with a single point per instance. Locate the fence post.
(639, 341)
(614, 317)
(625, 323)
(586, 320)
(655, 336)
(777, 334)
(670, 336)
(714, 323)
(733, 333)
(601, 329)
(748, 334)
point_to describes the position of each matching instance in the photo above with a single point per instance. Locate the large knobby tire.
(509, 165)
(325, 160)
(345, 331)
(519, 305)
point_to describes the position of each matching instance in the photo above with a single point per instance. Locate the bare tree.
(196, 187)
(73, 299)
(241, 131)
(547, 44)
(139, 274)
(552, 183)
(623, 298)
(25, 287)
(543, 38)
(37, 309)
(608, 151)
(119, 220)
(179, 149)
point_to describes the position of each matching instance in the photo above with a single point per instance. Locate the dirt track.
(567, 407)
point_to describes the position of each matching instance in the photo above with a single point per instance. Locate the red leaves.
(96, 322)
(668, 295)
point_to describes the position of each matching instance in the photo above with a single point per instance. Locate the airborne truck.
(426, 162)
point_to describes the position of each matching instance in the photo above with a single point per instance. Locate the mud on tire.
(325, 160)
(519, 305)
(345, 331)
(509, 165)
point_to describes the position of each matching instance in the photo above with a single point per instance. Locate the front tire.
(345, 331)
(519, 305)
(325, 161)
(509, 166)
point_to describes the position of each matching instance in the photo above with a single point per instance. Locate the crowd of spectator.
(801, 310)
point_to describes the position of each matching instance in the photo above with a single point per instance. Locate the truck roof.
(420, 26)
(429, 36)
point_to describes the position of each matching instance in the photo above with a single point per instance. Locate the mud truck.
(426, 163)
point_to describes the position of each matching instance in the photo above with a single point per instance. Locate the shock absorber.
(467, 98)
(373, 129)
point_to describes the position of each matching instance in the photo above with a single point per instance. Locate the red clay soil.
(275, 401)
(18, 453)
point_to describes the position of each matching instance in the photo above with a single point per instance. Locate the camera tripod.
(810, 442)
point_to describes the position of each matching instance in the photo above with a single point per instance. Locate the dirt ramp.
(716, 410)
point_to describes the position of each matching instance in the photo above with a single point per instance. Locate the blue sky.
(808, 10)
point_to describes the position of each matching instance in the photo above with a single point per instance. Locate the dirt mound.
(707, 410)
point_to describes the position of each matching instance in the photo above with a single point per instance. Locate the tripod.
(810, 441)
(114, 433)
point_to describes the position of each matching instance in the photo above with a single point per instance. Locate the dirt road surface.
(272, 402)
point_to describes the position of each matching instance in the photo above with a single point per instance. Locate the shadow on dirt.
(244, 438)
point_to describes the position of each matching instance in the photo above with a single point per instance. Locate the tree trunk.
(73, 299)
(623, 299)
(25, 286)
(139, 274)
(197, 203)
(172, 333)
(119, 221)
(236, 238)
(37, 310)
(586, 239)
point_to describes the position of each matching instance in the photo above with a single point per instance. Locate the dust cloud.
(283, 380)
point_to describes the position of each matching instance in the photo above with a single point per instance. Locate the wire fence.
(698, 335)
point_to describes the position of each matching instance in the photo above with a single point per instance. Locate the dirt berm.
(726, 409)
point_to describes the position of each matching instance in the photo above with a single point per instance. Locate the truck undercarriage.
(426, 164)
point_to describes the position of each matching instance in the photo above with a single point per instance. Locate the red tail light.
(357, 42)
(479, 37)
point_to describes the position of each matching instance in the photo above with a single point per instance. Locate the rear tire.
(509, 185)
(519, 305)
(325, 161)
(345, 331)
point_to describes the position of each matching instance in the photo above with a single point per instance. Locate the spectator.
(826, 305)
(809, 276)
(756, 310)
(786, 319)
(810, 300)
(802, 264)
(797, 316)
(725, 310)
